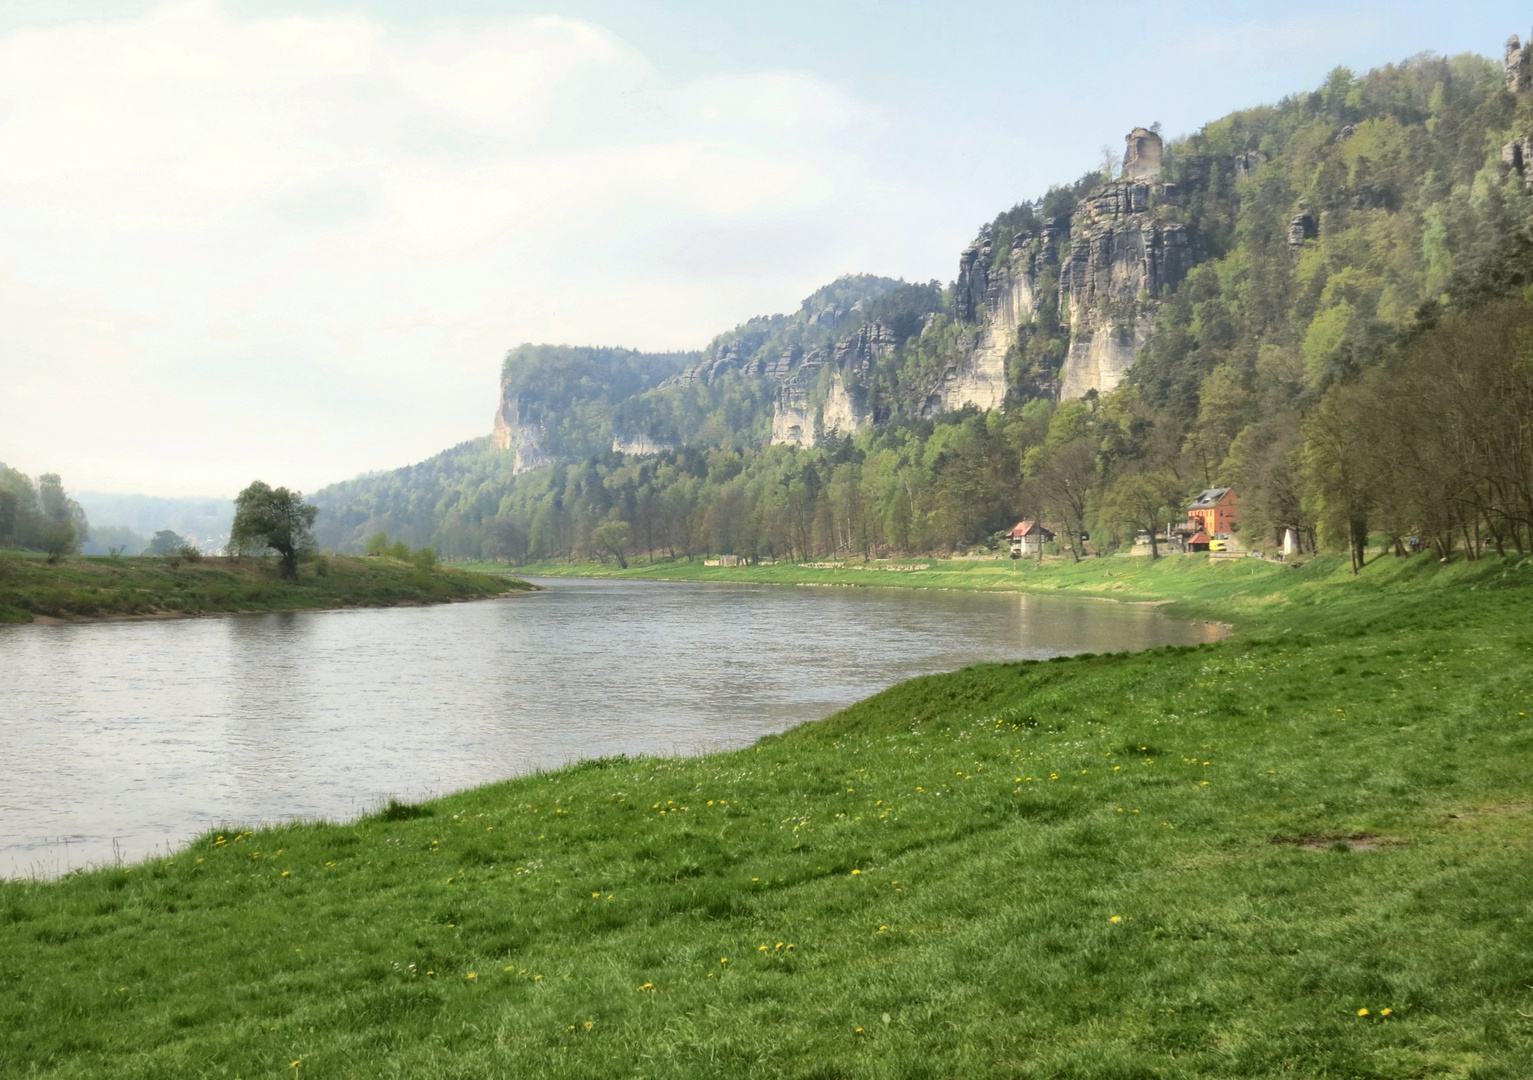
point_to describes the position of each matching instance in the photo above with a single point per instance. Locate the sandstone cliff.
(516, 431)
(1115, 256)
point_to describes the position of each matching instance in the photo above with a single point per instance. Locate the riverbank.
(89, 588)
(1243, 591)
(1304, 851)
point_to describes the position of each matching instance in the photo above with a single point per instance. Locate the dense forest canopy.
(1351, 352)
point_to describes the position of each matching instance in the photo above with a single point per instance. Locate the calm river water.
(123, 739)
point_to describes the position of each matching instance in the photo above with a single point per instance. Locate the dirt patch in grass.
(1355, 842)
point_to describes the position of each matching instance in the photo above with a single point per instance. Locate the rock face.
(638, 445)
(1246, 164)
(1114, 257)
(1142, 158)
(1515, 64)
(514, 430)
(1300, 229)
(842, 407)
(1122, 260)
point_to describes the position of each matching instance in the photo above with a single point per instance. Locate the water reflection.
(142, 734)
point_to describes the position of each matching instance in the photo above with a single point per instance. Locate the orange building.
(1216, 511)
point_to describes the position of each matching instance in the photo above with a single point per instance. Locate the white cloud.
(296, 247)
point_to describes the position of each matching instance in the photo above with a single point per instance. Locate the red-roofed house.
(1216, 511)
(1028, 538)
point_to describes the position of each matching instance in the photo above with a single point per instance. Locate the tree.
(1144, 500)
(165, 542)
(1062, 478)
(276, 519)
(612, 537)
(63, 520)
(378, 544)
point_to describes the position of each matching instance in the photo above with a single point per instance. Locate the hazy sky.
(294, 240)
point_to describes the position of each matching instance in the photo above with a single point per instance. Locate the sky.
(293, 241)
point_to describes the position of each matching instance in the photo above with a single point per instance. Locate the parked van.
(1218, 545)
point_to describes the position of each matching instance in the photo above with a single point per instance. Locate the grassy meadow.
(93, 587)
(1303, 852)
(1189, 579)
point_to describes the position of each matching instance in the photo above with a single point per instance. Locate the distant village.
(1210, 526)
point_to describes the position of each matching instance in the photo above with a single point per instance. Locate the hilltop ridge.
(1163, 325)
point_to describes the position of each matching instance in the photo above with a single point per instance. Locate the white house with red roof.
(1028, 538)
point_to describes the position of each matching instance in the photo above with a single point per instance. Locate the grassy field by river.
(1304, 851)
(93, 587)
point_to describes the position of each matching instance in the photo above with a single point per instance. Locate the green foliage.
(41, 517)
(165, 542)
(1181, 864)
(930, 485)
(86, 587)
(276, 519)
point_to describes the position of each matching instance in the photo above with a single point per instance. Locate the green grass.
(85, 587)
(945, 917)
(1187, 577)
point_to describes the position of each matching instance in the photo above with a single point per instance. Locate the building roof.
(1209, 498)
(1027, 528)
(1199, 538)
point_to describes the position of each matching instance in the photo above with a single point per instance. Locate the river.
(120, 740)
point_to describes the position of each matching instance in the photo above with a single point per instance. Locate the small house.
(1198, 542)
(1028, 538)
(1216, 512)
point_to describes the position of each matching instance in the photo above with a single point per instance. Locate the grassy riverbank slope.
(1305, 851)
(1225, 588)
(85, 587)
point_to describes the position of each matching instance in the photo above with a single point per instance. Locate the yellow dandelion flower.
(1115, 918)
(590, 1024)
(537, 978)
(1362, 1012)
(856, 872)
(287, 873)
(761, 948)
(1386, 1012)
(471, 975)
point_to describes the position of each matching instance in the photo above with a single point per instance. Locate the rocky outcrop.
(1515, 64)
(638, 445)
(1301, 228)
(1116, 255)
(1246, 164)
(515, 431)
(1122, 260)
(800, 415)
(1142, 157)
(845, 409)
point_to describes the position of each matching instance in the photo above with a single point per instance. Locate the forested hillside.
(1337, 325)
